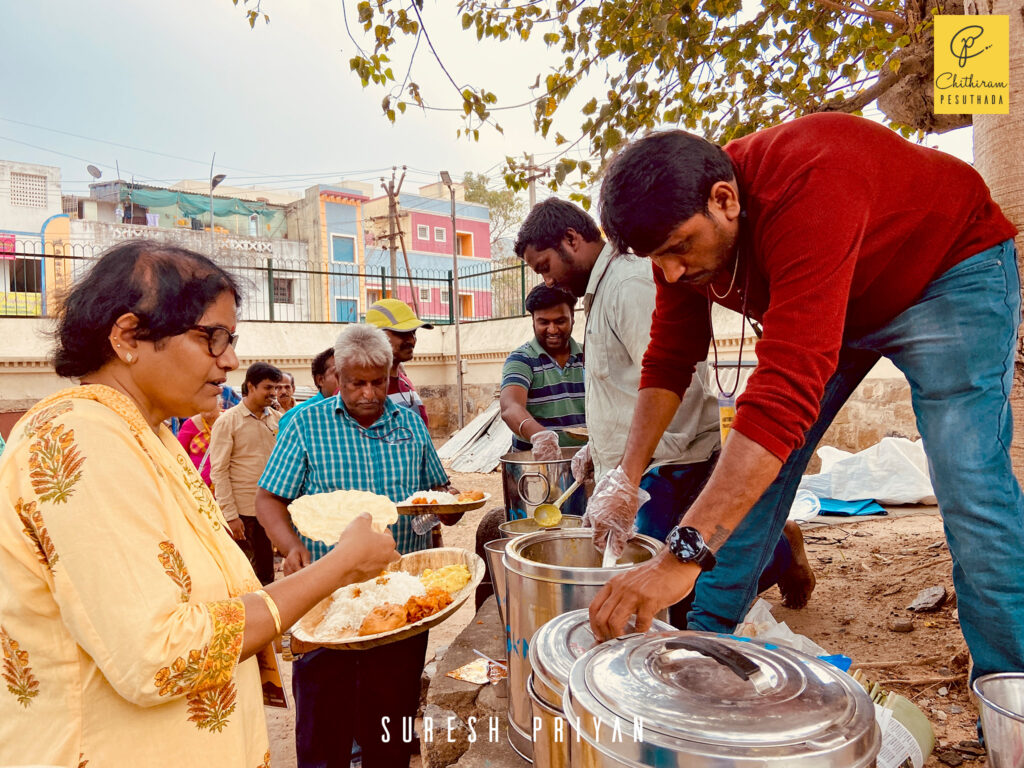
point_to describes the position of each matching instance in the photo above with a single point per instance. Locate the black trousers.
(258, 549)
(345, 695)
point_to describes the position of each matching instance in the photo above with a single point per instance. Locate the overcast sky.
(174, 82)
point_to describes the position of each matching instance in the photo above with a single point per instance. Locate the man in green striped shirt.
(542, 381)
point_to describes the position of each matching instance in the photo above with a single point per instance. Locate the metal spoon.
(550, 515)
(608, 560)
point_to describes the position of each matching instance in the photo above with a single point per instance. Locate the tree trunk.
(999, 158)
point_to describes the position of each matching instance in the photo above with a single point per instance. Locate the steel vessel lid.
(713, 697)
(556, 646)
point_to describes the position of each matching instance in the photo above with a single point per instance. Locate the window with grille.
(28, 190)
(440, 234)
(424, 294)
(284, 290)
(25, 275)
(422, 231)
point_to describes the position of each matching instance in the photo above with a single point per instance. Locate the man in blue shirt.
(325, 379)
(357, 440)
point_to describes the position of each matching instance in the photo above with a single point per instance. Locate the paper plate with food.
(578, 433)
(415, 593)
(442, 503)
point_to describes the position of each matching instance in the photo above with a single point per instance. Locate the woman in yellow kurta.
(129, 619)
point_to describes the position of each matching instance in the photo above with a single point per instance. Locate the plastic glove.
(545, 446)
(583, 465)
(612, 510)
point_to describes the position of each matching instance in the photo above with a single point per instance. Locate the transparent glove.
(545, 446)
(583, 465)
(612, 510)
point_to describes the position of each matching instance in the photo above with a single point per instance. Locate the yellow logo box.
(972, 65)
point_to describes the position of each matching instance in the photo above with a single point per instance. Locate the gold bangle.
(272, 607)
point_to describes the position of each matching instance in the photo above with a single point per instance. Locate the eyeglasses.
(218, 338)
(394, 437)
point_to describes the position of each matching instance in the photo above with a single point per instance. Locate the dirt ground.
(867, 574)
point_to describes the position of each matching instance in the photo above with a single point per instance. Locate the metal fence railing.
(276, 289)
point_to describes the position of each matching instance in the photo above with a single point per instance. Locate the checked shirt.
(323, 449)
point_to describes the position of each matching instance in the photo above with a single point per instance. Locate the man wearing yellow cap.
(400, 323)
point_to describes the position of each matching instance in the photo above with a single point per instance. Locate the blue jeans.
(673, 488)
(956, 346)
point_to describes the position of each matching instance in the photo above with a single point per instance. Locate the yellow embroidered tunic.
(120, 623)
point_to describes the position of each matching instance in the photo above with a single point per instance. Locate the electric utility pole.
(393, 192)
(535, 173)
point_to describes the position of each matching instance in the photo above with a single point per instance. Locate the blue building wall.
(342, 225)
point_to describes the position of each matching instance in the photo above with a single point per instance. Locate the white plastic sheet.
(893, 471)
(761, 625)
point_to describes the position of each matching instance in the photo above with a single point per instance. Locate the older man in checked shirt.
(356, 440)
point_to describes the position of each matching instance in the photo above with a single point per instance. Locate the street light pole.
(457, 306)
(214, 181)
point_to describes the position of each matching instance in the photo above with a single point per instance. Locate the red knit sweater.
(848, 223)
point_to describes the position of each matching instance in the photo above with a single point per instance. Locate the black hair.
(258, 372)
(291, 378)
(545, 297)
(319, 366)
(655, 184)
(167, 288)
(547, 223)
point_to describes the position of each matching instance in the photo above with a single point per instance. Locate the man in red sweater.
(847, 243)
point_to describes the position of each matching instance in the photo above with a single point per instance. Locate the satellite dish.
(94, 171)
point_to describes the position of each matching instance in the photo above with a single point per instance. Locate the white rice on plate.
(347, 612)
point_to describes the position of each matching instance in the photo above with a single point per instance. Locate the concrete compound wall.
(879, 407)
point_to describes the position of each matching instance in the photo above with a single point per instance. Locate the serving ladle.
(550, 515)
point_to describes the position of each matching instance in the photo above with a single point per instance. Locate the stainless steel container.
(527, 483)
(550, 734)
(1002, 717)
(554, 650)
(701, 700)
(529, 525)
(547, 574)
(495, 551)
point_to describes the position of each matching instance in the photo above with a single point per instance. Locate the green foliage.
(700, 65)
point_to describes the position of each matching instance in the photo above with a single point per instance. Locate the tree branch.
(912, 65)
(886, 17)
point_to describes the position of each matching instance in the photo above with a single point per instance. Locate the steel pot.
(702, 700)
(526, 483)
(1002, 717)
(554, 650)
(529, 525)
(547, 574)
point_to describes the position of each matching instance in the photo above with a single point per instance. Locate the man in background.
(400, 324)
(325, 379)
(241, 441)
(286, 392)
(542, 381)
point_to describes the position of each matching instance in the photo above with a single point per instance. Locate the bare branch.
(886, 17)
(912, 65)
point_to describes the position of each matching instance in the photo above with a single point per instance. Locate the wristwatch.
(688, 546)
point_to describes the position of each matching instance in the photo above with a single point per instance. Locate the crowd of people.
(140, 510)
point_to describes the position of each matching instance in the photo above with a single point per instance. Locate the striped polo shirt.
(554, 395)
(323, 449)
